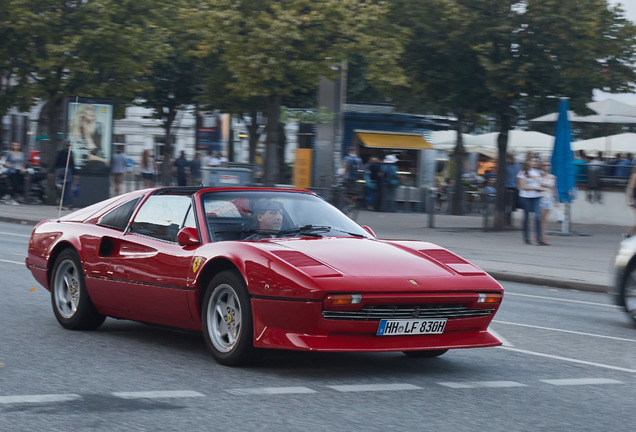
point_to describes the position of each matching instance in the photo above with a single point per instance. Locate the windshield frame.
(231, 215)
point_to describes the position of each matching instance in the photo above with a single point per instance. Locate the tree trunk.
(252, 129)
(499, 216)
(165, 169)
(270, 173)
(457, 207)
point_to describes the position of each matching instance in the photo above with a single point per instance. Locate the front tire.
(425, 354)
(227, 320)
(628, 292)
(72, 306)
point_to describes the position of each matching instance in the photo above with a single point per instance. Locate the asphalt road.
(568, 363)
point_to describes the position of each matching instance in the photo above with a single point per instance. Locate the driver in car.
(269, 216)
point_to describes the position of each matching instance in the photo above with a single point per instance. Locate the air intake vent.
(379, 312)
(297, 259)
(443, 256)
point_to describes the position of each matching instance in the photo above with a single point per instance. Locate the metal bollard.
(486, 209)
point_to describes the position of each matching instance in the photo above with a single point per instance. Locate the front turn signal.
(344, 299)
(489, 298)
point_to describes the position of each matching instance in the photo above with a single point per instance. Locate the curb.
(554, 283)
(21, 221)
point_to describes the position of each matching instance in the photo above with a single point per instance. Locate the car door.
(153, 265)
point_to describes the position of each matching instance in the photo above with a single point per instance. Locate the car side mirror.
(188, 236)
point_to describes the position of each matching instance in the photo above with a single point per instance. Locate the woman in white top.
(549, 195)
(530, 191)
(148, 168)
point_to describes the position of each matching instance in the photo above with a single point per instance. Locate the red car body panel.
(135, 277)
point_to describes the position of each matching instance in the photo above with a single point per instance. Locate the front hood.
(358, 257)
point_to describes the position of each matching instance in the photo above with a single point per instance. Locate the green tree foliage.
(498, 57)
(540, 49)
(273, 49)
(444, 69)
(175, 78)
(91, 48)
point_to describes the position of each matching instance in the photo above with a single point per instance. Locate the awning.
(393, 141)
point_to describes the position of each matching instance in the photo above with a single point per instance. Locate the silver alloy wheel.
(224, 318)
(66, 288)
(629, 294)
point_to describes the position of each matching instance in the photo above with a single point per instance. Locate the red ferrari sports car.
(259, 268)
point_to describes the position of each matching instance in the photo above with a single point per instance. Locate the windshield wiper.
(314, 230)
(308, 230)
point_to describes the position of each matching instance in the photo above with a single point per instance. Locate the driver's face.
(271, 220)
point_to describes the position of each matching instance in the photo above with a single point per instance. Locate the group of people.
(381, 180)
(185, 171)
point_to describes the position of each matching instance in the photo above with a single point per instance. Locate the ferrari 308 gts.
(257, 268)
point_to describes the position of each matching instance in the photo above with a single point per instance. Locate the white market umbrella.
(607, 111)
(519, 141)
(620, 143)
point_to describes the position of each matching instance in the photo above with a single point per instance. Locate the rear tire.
(72, 306)
(424, 354)
(227, 320)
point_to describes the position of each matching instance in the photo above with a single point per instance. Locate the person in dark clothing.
(65, 174)
(181, 164)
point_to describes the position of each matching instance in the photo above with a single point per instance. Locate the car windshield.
(252, 215)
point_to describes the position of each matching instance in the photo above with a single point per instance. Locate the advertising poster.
(90, 129)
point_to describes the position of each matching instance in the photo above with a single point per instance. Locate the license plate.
(411, 327)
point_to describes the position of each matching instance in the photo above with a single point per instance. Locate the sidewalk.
(582, 261)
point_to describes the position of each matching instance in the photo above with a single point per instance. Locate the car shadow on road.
(126, 335)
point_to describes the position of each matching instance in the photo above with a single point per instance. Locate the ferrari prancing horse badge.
(196, 264)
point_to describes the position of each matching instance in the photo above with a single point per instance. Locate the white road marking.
(271, 390)
(14, 234)
(581, 381)
(560, 299)
(481, 384)
(12, 262)
(374, 387)
(158, 394)
(600, 365)
(566, 331)
(498, 336)
(42, 398)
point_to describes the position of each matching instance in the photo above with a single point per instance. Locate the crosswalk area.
(351, 388)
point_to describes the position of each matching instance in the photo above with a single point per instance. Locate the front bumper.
(300, 325)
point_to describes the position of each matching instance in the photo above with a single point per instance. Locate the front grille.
(379, 312)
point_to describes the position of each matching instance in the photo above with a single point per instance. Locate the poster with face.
(90, 131)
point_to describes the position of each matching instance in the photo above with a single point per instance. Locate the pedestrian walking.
(530, 191)
(181, 166)
(594, 172)
(370, 181)
(15, 168)
(119, 168)
(512, 189)
(195, 170)
(148, 168)
(64, 174)
(548, 181)
(390, 182)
